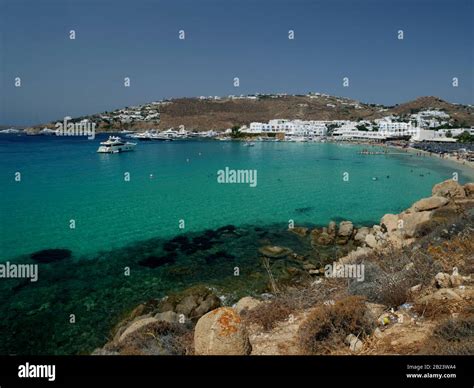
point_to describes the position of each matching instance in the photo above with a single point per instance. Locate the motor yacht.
(115, 144)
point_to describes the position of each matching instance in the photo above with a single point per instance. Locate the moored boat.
(114, 145)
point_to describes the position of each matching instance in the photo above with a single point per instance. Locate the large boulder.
(448, 189)
(362, 234)
(430, 203)
(221, 332)
(344, 233)
(193, 302)
(345, 229)
(390, 222)
(414, 224)
(332, 228)
(371, 241)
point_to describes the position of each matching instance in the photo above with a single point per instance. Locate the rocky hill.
(222, 113)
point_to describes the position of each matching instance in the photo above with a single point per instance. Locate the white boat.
(10, 130)
(47, 132)
(114, 145)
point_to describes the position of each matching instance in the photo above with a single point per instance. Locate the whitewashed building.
(289, 128)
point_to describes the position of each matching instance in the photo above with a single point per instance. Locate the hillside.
(219, 114)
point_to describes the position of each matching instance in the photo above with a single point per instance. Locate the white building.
(289, 127)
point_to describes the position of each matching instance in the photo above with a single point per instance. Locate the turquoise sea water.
(64, 179)
(128, 223)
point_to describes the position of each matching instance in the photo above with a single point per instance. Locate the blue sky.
(226, 39)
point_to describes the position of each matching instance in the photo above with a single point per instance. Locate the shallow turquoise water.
(64, 179)
(125, 224)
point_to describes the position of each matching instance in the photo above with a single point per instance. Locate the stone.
(137, 325)
(429, 203)
(247, 303)
(469, 189)
(355, 344)
(371, 241)
(187, 305)
(332, 228)
(443, 280)
(309, 266)
(449, 189)
(441, 294)
(456, 280)
(209, 303)
(274, 251)
(221, 332)
(361, 234)
(390, 222)
(299, 230)
(345, 229)
(193, 302)
(167, 316)
(414, 223)
(354, 255)
(415, 289)
(324, 239)
(378, 333)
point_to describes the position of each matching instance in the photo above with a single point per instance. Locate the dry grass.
(292, 301)
(327, 326)
(390, 275)
(268, 314)
(159, 338)
(457, 252)
(452, 337)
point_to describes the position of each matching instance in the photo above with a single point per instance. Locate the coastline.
(259, 324)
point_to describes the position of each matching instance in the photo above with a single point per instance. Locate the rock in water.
(345, 232)
(51, 255)
(299, 230)
(275, 252)
(221, 332)
(345, 229)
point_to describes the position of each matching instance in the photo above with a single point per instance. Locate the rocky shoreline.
(417, 268)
